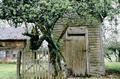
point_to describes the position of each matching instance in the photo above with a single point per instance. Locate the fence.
(36, 65)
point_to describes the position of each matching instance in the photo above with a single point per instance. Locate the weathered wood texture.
(12, 44)
(38, 68)
(95, 56)
(75, 50)
(95, 51)
(34, 68)
(18, 64)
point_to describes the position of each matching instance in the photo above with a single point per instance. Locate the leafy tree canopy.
(30, 10)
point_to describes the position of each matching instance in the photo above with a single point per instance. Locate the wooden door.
(75, 51)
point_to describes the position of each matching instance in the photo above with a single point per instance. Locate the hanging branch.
(63, 32)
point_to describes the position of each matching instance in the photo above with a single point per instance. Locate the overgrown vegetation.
(111, 39)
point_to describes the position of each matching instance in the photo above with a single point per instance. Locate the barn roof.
(12, 33)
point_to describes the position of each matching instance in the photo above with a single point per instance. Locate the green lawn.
(112, 67)
(113, 70)
(7, 71)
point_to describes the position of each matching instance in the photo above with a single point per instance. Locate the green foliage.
(21, 10)
(111, 38)
(112, 51)
(89, 8)
(96, 10)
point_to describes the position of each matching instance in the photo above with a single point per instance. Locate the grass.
(7, 71)
(112, 70)
(112, 67)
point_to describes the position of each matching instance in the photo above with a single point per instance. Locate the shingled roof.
(12, 33)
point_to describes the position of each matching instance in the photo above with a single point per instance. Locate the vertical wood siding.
(95, 54)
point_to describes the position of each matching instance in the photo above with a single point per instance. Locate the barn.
(11, 41)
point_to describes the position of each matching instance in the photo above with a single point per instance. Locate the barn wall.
(12, 44)
(95, 54)
(10, 49)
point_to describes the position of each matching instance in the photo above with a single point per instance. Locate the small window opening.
(80, 34)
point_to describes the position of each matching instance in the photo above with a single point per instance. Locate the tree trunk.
(119, 56)
(108, 57)
(115, 54)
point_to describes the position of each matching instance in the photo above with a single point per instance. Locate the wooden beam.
(18, 64)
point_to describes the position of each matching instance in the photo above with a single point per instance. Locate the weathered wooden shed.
(81, 45)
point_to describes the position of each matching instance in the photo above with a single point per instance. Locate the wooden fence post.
(18, 64)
